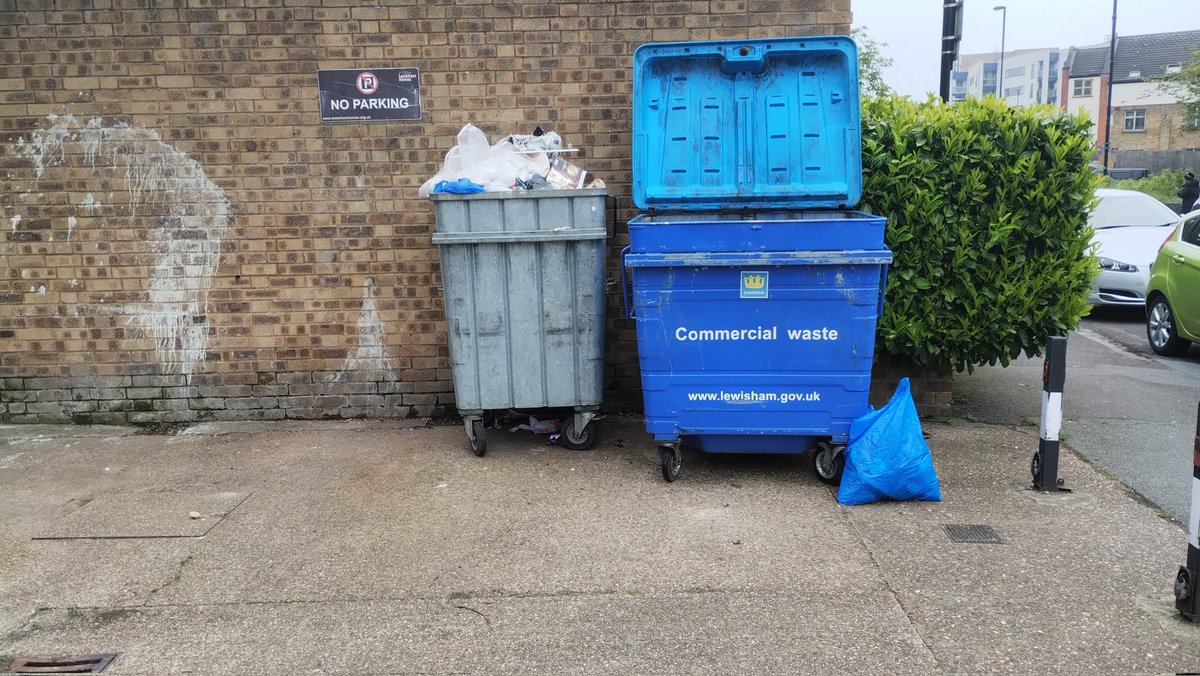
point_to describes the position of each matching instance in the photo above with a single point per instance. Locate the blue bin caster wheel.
(671, 462)
(478, 437)
(578, 441)
(828, 462)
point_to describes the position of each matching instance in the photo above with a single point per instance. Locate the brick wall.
(185, 240)
(932, 389)
(1164, 129)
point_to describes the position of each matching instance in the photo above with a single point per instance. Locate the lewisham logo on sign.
(374, 94)
(754, 284)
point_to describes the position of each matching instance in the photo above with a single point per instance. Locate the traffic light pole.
(951, 34)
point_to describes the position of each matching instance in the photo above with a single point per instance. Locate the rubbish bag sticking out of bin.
(550, 142)
(463, 186)
(495, 167)
(887, 458)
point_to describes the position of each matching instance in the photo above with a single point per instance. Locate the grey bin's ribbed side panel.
(523, 282)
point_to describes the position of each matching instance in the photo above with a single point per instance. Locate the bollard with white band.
(1044, 466)
(1185, 582)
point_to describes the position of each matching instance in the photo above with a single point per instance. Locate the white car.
(1130, 228)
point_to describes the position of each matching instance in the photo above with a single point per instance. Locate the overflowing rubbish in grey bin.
(523, 279)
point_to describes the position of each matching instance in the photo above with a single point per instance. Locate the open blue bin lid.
(747, 124)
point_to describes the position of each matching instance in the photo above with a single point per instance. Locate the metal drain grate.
(79, 664)
(973, 534)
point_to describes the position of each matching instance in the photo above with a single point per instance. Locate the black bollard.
(1185, 582)
(1054, 375)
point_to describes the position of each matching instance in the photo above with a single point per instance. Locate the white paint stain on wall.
(193, 215)
(71, 223)
(15, 220)
(370, 356)
(45, 146)
(91, 137)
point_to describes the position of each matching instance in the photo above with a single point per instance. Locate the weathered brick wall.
(1164, 129)
(185, 240)
(932, 389)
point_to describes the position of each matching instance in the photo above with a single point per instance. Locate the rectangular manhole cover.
(79, 664)
(973, 534)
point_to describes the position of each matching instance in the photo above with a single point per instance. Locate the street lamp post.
(1112, 57)
(1003, 27)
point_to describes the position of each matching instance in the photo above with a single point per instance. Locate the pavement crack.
(1120, 419)
(887, 584)
(486, 621)
(183, 564)
(28, 628)
(453, 598)
(1016, 427)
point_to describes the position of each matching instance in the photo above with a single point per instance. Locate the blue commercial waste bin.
(756, 288)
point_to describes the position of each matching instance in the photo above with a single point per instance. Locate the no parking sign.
(370, 94)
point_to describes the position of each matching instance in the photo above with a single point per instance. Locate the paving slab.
(414, 515)
(1079, 581)
(386, 548)
(145, 514)
(688, 633)
(56, 433)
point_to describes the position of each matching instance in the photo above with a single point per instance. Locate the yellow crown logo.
(754, 281)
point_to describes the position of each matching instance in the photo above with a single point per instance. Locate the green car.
(1173, 297)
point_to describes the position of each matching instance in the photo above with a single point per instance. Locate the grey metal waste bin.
(523, 284)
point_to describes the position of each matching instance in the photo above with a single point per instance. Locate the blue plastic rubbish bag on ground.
(887, 458)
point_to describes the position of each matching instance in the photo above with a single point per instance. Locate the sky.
(912, 29)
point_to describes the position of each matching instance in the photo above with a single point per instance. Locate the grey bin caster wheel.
(1183, 584)
(578, 441)
(478, 437)
(670, 462)
(828, 463)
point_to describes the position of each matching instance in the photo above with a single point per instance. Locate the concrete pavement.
(1131, 412)
(356, 547)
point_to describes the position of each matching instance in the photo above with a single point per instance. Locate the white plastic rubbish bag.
(538, 426)
(495, 167)
(549, 142)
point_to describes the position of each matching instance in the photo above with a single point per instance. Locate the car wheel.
(1160, 329)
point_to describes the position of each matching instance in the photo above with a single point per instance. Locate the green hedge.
(987, 218)
(1163, 186)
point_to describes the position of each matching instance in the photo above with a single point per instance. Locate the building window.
(1174, 68)
(1135, 120)
(1191, 117)
(1015, 72)
(1082, 87)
